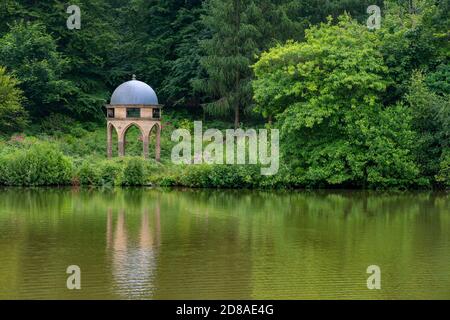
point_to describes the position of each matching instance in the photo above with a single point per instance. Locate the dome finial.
(134, 77)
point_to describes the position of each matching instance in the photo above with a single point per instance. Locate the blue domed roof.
(134, 92)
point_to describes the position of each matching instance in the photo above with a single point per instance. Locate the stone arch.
(127, 127)
(123, 134)
(146, 128)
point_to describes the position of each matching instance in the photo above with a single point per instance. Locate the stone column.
(145, 140)
(121, 148)
(158, 144)
(109, 141)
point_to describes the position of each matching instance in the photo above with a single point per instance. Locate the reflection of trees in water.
(305, 241)
(221, 243)
(133, 263)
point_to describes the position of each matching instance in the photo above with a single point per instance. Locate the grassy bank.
(42, 163)
(58, 161)
(34, 162)
(61, 152)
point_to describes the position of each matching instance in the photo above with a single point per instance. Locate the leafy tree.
(9, 11)
(32, 55)
(148, 38)
(318, 10)
(443, 176)
(431, 121)
(184, 69)
(91, 52)
(439, 80)
(13, 117)
(88, 52)
(414, 37)
(141, 51)
(325, 92)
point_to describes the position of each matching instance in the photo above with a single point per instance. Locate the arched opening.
(133, 140)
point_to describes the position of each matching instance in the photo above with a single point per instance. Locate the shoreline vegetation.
(60, 159)
(355, 108)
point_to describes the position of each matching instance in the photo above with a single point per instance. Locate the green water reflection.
(181, 244)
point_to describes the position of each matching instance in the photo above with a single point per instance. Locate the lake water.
(184, 244)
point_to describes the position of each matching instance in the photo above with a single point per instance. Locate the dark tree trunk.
(237, 120)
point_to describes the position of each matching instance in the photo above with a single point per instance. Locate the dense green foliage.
(431, 121)
(31, 53)
(325, 92)
(35, 164)
(130, 171)
(161, 41)
(355, 107)
(12, 113)
(239, 29)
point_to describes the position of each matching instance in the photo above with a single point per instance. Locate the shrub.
(3, 170)
(122, 171)
(87, 174)
(13, 116)
(109, 173)
(285, 178)
(164, 175)
(220, 176)
(39, 165)
(444, 173)
(134, 172)
(57, 123)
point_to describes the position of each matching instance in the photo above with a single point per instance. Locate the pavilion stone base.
(145, 126)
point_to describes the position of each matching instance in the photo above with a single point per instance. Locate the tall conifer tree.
(228, 54)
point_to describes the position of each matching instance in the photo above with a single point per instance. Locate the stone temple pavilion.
(134, 103)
